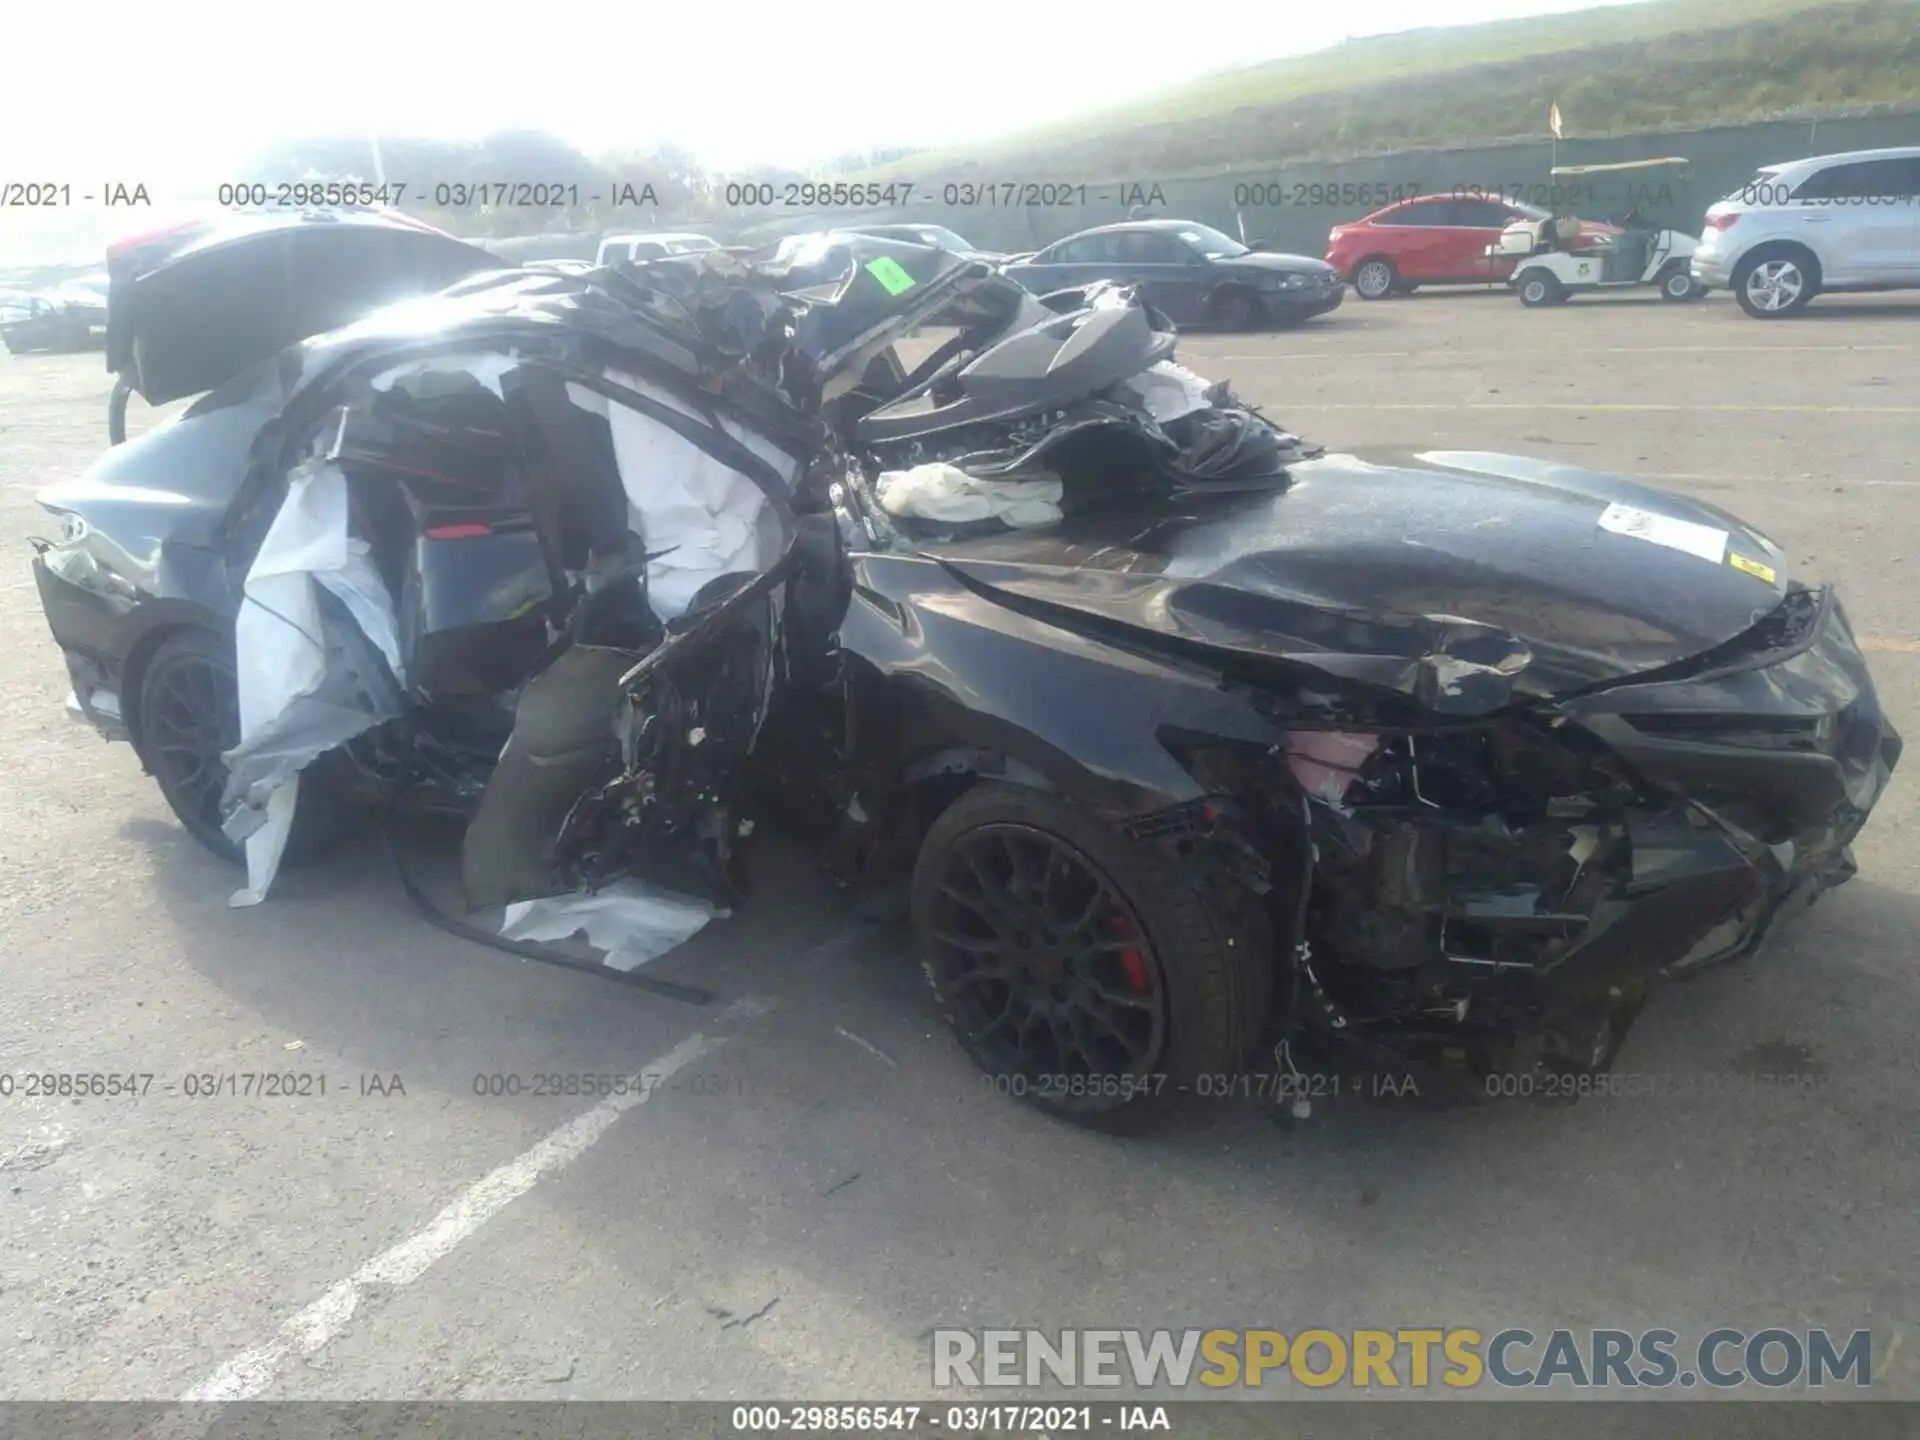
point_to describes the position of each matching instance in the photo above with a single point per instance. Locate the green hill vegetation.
(1665, 64)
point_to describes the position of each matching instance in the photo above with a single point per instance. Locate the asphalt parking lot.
(827, 1179)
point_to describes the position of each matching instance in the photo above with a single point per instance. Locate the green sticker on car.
(889, 273)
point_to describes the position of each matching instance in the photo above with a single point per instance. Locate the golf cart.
(1557, 258)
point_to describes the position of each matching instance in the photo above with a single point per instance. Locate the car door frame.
(1907, 268)
(1180, 286)
(1858, 239)
(1064, 274)
(1490, 268)
(1420, 258)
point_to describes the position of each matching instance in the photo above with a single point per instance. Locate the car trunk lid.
(192, 306)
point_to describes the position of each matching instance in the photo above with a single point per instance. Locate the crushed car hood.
(182, 320)
(1365, 564)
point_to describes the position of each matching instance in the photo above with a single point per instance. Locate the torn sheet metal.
(631, 921)
(699, 518)
(318, 658)
(1168, 391)
(948, 493)
(1684, 535)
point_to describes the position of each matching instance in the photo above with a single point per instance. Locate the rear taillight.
(1722, 222)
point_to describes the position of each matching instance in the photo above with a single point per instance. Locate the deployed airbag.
(318, 660)
(699, 518)
(946, 492)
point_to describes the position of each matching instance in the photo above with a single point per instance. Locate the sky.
(180, 92)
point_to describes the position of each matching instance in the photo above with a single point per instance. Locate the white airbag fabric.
(282, 654)
(950, 494)
(631, 921)
(715, 519)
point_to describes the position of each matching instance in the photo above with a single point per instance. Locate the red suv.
(1429, 240)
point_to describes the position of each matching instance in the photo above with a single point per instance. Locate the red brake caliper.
(1131, 960)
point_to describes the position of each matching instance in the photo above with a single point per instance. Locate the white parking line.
(1846, 481)
(252, 1371)
(1625, 409)
(1444, 354)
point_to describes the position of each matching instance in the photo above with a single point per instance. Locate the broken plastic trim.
(526, 949)
(708, 623)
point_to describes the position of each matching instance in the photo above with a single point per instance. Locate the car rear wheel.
(1537, 287)
(1678, 286)
(188, 717)
(1772, 283)
(1375, 278)
(1081, 972)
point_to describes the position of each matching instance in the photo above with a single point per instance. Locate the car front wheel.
(1236, 310)
(1081, 972)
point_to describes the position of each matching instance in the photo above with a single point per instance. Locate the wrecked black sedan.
(1181, 737)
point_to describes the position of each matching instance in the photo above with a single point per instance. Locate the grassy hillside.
(1651, 66)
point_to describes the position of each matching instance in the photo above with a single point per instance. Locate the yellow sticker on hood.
(1752, 567)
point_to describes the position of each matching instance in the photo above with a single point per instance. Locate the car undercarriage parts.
(528, 950)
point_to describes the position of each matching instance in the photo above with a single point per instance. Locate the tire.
(117, 411)
(1678, 286)
(1776, 281)
(1375, 277)
(1537, 287)
(191, 677)
(1189, 1000)
(1236, 310)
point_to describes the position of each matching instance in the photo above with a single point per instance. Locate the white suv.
(1834, 222)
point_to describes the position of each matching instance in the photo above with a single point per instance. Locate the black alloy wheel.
(1045, 966)
(1086, 973)
(189, 718)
